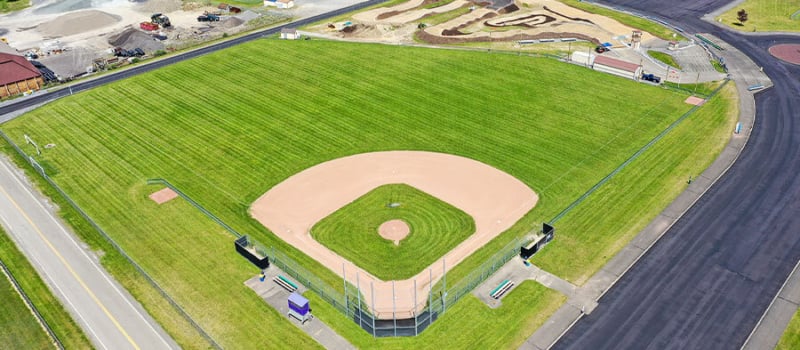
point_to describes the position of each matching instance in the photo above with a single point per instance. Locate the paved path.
(276, 297)
(110, 317)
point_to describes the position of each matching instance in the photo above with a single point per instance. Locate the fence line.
(113, 243)
(634, 156)
(31, 306)
(354, 305)
(195, 204)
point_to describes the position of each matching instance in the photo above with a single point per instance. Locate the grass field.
(791, 336)
(352, 231)
(227, 141)
(664, 57)
(765, 16)
(18, 327)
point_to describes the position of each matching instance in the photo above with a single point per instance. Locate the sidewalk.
(276, 296)
(744, 73)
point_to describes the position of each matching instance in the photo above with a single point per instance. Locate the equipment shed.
(617, 67)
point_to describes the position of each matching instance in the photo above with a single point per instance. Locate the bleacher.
(285, 283)
(504, 287)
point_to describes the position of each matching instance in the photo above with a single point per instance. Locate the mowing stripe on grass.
(633, 157)
(30, 305)
(113, 243)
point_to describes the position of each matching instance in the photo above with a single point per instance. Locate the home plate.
(163, 195)
(694, 100)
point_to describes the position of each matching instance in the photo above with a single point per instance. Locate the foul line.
(71, 270)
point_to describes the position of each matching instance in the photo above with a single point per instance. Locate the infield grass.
(352, 231)
(19, 328)
(765, 16)
(225, 141)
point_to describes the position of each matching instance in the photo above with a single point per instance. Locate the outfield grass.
(765, 16)
(791, 336)
(558, 128)
(664, 57)
(626, 19)
(592, 234)
(352, 231)
(19, 329)
(470, 324)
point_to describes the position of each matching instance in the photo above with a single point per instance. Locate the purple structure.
(299, 308)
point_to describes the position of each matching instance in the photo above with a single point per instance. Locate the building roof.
(615, 63)
(14, 68)
(288, 30)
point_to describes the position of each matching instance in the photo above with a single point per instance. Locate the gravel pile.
(131, 38)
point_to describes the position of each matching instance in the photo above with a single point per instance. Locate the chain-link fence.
(111, 241)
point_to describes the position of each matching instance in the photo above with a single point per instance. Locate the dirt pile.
(131, 38)
(76, 22)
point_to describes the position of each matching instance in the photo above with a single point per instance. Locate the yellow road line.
(72, 271)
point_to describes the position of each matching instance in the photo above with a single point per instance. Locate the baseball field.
(227, 127)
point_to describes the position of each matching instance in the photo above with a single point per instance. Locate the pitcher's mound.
(394, 230)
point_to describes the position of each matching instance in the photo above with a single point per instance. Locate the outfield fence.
(31, 306)
(39, 169)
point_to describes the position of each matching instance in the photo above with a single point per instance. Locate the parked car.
(652, 78)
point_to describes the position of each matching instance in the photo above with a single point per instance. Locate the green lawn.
(13, 5)
(436, 228)
(470, 324)
(227, 140)
(791, 336)
(664, 57)
(765, 16)
(626, 19)
(18, 327)
(590, 235)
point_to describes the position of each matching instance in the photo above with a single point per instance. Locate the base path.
(494, 199)
(109, 316)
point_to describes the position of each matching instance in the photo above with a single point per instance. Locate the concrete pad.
(694, 100)
(276, 296)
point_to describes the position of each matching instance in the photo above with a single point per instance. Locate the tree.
(742, 16)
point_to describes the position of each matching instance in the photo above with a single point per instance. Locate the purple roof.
(298, 300)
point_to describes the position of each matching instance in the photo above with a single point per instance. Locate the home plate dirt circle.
(394, 230)
(786, 52)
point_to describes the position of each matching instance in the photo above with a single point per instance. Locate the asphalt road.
(108, 314)
(707, 282)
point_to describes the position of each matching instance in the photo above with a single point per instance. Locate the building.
(281, 4)
(17, 75)
(290, 34)
(617, 67)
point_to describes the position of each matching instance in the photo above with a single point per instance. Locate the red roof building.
(17, 75)
(617, 67)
